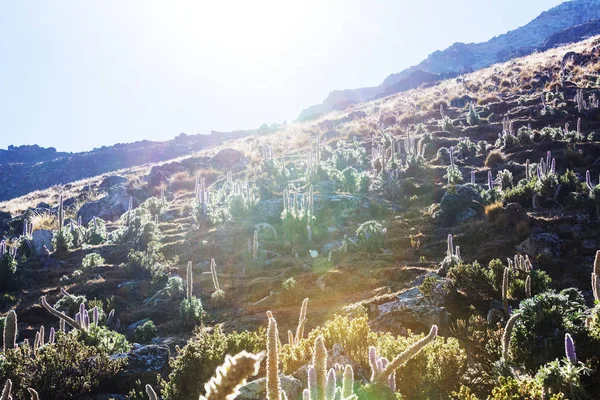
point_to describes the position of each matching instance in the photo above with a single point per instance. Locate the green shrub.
(371, 235)
(150, 263)
(145, 333)
(476, 281)
(197, 361)
(538, 336)
(92, 260)
(69, 304)
(67, 369)
(191, 312)
(105, 340)
(563, 377)
(349, 179)
(96, 232)
(138, 229)
(153, 205)
(8, 269)
(62, 240)
(434, 373)
(521, 193)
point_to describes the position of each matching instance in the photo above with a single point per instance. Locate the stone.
(143, 364)
(108, 208)
(443, 293)
(462, 101)
(137, 323)
(517, 217)
(229, 158)
(270, 209)
(266, 231)
(545, 244)
(257, 390)
(160, 174)
(41, 238)
(409, 309)
(112, 181)
(460, 204)
(43, 206)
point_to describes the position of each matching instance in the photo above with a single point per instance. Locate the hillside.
(459, 218)
(466, 57)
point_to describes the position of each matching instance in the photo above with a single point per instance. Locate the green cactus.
(320, 365)
(189, 279)
(61, 316)
(10, 330)
(274, 391)
(231, 375)
(6, 391)
(507, 335)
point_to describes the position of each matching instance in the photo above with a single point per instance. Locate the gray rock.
(112, 181)
(459, 204)
(325, 187)
(266, 231)
(137, 323)
(257, 390)
(270, 209)
(410, 308)
(161, 173)
(41, 238)
(4, 218)
(229, 158)
(109, 208)
(143, 364)
(546, 244)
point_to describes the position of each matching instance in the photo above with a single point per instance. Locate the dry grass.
(44, 220)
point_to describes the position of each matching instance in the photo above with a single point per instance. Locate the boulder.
(460, 204)
(270, 209)
(41, 238)
(109, 208)
(257, 389)
(160, 174)
(228, 158)
(462, 101)
(266, 231)
(516, 217)
(410, 309)
(143, 364)
(442, 293)
(112, 181)
(548, 245)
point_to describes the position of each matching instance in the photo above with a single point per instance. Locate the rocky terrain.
(432, 244)
(568, 22)
(29, 168)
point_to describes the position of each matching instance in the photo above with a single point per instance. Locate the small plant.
(371, 235)
(191, 312)
(472, 115)
(219, 295)
(96, 232)
(145, 333)
(92, 260)
(62, 240)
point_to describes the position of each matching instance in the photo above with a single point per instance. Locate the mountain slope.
(460, 57)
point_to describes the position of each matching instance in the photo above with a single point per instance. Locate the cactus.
(61, 213)
(505, 291)
(596, 277)
(528, 287)
(34, 395)
(189, 279)
(231, 375)
(6, 391)
(274, 391)
(409, 353)
(301, 322)
(255, 245)
(320, 365)
(348, 382)
(151, 393)
(10, 330)
(219, 294)
(73, 322)
(507, 334)
(51, 335)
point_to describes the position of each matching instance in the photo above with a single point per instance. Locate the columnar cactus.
(528, 287)
(255, 245)
(219, 294)
(61, 213)
(320, 366)
(231, 375)
(189, 278)
(301, 321)
(596, 277)
(384, 375)
(274, 391)
(6, 391)
(505, 291)
(10, 330)
(73, 322)
(507, 334)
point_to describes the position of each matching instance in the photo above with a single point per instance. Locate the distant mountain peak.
(461, 57)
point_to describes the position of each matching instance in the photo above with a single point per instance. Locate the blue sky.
(81, 74)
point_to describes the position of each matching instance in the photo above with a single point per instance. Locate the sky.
(76, 75)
